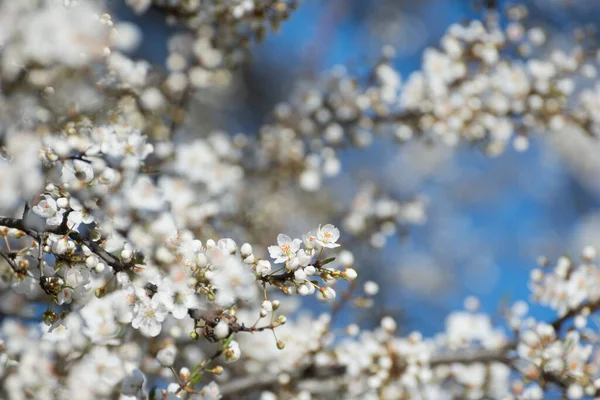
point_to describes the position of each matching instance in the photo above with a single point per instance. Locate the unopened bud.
(126, 255)
(16, 233)
(246, 250)
(349, 274)
(280, 344)
(184, 374)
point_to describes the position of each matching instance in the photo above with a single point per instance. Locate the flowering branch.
(62, 229)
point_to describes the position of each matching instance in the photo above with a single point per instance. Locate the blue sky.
(534, 195)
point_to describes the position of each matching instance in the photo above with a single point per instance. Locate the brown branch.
(474, 356)
(11, 262)
(592, 306)
(255, 382)
(19, 224)
(62, 229)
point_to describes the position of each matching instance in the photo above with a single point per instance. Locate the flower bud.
(126, 255)
(267, 305)
(233, 352)
(328, 293)
(91, 262)
(62, 202)
(299, 275)
(222, 330)
(16, 233)
(349, 274)
(293, 264)
(184, 374)
(246, 250)
(303, 290)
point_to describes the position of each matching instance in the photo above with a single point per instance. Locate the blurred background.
(487, 219)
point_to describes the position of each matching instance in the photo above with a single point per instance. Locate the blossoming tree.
(118, 276)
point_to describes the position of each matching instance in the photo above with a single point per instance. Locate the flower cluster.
(379, 215)
(568, 287)
(469, 89)
(214, 39)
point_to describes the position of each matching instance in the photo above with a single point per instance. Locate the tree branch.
(312, 371)
(593, 306)
(62, 229)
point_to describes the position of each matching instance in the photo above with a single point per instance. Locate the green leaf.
(328, 260)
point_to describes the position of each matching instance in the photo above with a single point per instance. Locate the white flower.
(83, 170)
(575, 391)
(184, 299)
(48, 208)
(211, 392)
(61, 245)
(65, 296)
(303, 257)
(285, 250)
(99, 320)
(149, 317)
(228, 245)
(166, 356)
(77, 276)
(533, 392)
(327, 236)
(230, 277)
(144, 195)
(263, 267)
(134, 384)
(310, 240)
